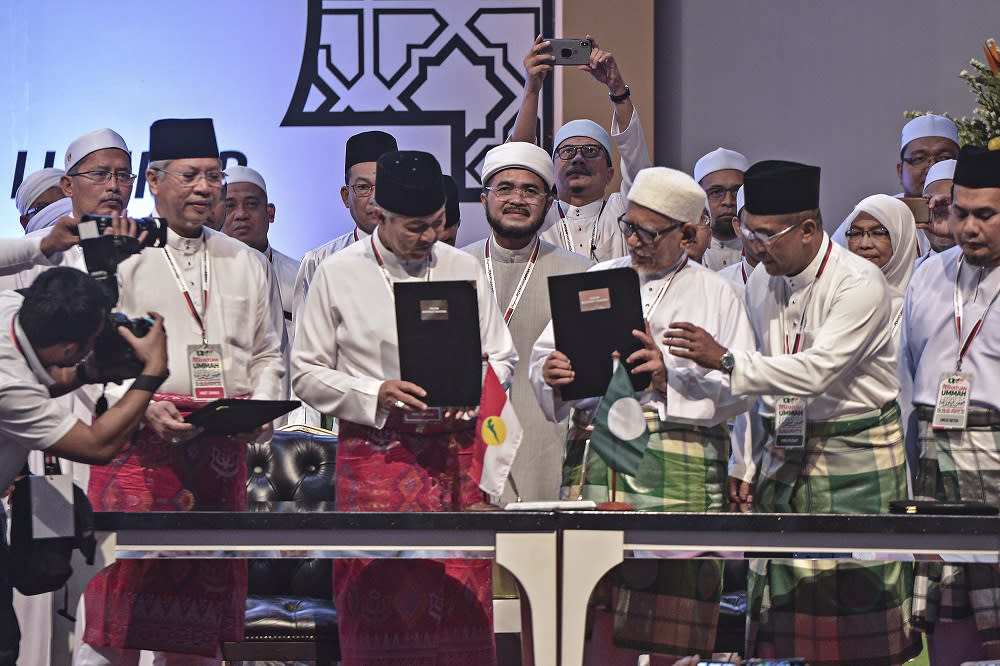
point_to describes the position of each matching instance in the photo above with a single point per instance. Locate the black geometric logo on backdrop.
(449, 63)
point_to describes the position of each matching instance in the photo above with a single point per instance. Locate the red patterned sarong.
(170, 605)
(417, 612)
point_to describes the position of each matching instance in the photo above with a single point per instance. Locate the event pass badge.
(205, 362)
(789, 422)
(951, 411)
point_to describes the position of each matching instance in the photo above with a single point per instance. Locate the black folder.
(593, 315)
(437, 324)
(229, 416)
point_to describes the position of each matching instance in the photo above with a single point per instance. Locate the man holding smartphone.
(583, 219)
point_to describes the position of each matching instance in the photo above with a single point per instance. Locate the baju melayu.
(312, 259)
(958, 464)
(824, 336)
(684, 467)
(537, 469)
(723, 253)
(592, 229)
(346, 346)
(212, 289)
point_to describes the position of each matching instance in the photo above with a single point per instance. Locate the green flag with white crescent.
(620, 436)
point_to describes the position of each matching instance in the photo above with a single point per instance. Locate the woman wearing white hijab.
(881, 229)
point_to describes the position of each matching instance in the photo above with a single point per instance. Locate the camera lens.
(566, 53)
(585, 43)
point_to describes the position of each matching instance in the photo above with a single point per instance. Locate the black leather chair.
(290, 613)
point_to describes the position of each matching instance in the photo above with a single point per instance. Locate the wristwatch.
(727, 362)
(618, 99)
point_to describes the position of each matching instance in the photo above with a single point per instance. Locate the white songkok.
(33, 186)
(242, 174)
(741, 199)
(719, 159)
(943, 170)
(518, 155)
(583, 127)
(928, 125)
(669, 192)
(92, 142)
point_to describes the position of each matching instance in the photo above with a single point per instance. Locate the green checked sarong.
(959, 465)
(833, 611)
(664, 606)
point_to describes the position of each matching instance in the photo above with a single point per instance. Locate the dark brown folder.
(230, 415)
(593, 315)
(439, 344)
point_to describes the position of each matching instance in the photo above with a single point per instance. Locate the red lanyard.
(957, 299)
(805, 305)
(199, 317)
(388, 278)
(356, 236)
(521, 284)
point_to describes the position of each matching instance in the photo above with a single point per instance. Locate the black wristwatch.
(727, 362)
(617, 99)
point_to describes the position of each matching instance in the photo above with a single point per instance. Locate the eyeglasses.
(363, 189)
(718, 192)
(645, 236)
(878, 233)
(506, 193)
(920, 159)
(765, 239)
(189, 178)
(34, 210)
(590, 151)
(103, 176)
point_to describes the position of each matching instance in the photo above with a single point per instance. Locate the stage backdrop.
(286, 83)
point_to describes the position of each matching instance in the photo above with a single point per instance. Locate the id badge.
(951, 411)
(789, 422)
(205, 363)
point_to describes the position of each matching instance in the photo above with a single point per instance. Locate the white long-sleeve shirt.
(580, 221)
(846, 363)
(345, 340)
(313, 258)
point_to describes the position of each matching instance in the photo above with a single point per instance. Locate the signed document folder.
(230, 416)
(439, 346)
(593, 315)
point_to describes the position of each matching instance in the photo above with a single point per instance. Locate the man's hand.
(537, 65)
(168, 423)
(151, 348)
(602, 66)
(395, 395)
(651, 358)
(557, 370)
(740, 495)
(61, 237)
(689, 341)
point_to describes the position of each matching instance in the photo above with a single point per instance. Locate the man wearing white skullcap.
(925, 140)
(517, 180)
(937, 192)
(37, 191)
(685, 409)
(583, 219)
(720, 174)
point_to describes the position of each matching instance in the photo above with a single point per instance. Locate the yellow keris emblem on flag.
(494, 431)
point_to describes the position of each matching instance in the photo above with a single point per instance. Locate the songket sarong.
(171, 605)
(959, 465)
(669, 607)
(419, 612)
(834, 611)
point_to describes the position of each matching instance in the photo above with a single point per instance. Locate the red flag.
(498, 434)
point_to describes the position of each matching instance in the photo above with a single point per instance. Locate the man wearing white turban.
(37, 191)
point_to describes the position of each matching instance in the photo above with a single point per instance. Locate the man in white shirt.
(956, 396)
(517, 184)
(720, 174)
(394, 452)
(825, 372)
(225, 341)
(740, 272)
(583, 219)
(925, 140)
(937, 192)
(686, 408)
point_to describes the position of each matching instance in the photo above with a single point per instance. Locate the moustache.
(514, 208)
(113, 197)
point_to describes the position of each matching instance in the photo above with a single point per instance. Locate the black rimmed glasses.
(920, 159)
(104, 176)
(645, 236)
(590, 151)
(363, 189)
(878, 233)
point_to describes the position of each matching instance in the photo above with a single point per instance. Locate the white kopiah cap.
(33, 186)
(242, 174)
(92, 142)
(669, 192)
(928, 125)
(719, 159)
(518, 155)
(943, 170)
(583, 127)
(740, 200)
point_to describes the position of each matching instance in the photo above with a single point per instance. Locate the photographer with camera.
(51, 329)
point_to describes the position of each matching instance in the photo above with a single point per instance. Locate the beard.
(514, 232)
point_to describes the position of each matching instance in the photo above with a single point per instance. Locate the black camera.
(116, 360)
(103, 253)
(93, 226)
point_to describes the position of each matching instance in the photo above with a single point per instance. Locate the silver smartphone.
(570, 51)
